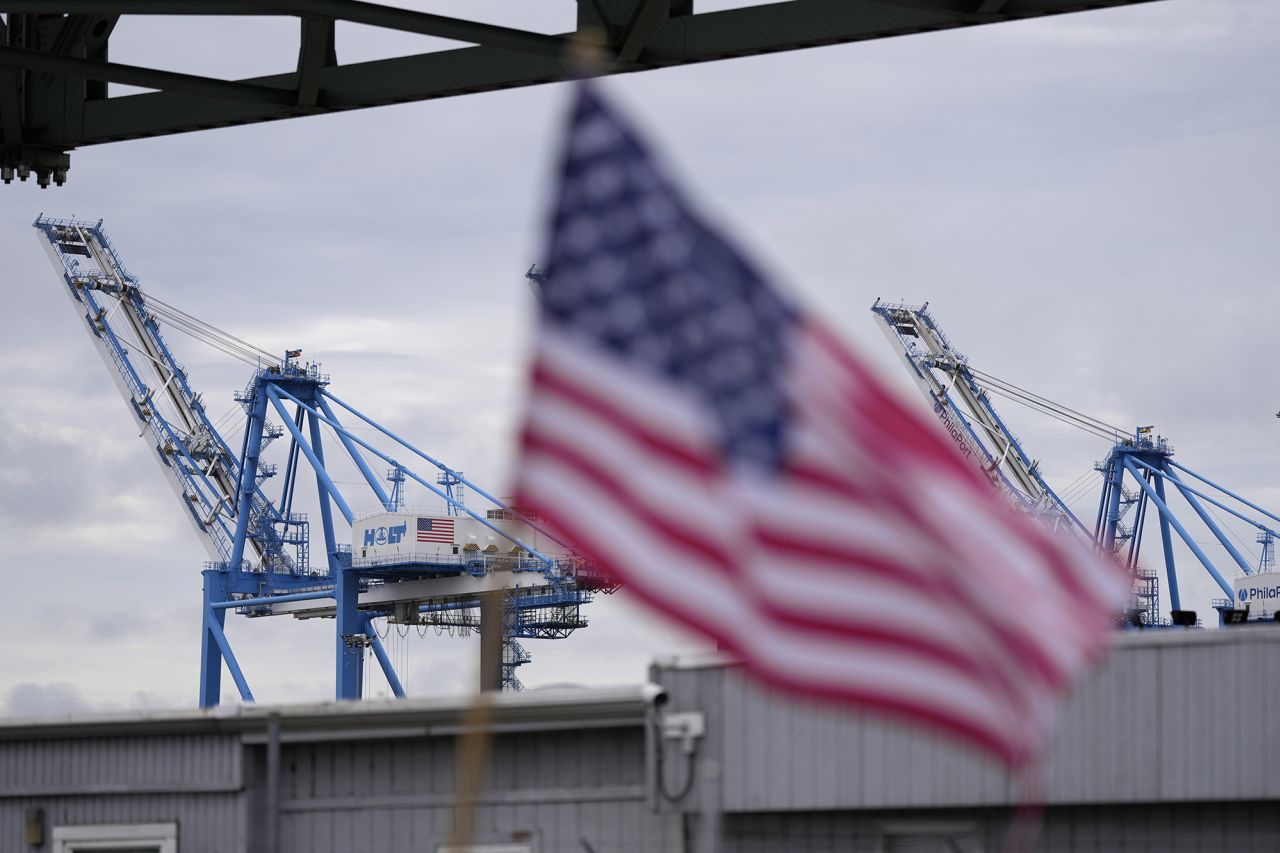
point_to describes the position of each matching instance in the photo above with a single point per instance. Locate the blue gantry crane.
(1139, 473)
(410, 567)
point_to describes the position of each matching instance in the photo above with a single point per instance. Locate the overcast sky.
(1089, 203)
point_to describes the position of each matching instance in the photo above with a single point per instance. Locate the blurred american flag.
(723, 455)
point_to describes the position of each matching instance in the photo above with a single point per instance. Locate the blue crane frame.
(963, 402)
(1147, 459)
(260, 548)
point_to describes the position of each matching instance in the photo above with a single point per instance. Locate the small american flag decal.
(435, 530)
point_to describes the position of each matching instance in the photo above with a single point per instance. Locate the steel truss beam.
(53, 95)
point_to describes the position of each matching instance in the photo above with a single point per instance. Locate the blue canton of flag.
(633, 269)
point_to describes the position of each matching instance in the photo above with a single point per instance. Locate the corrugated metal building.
(1170, 746)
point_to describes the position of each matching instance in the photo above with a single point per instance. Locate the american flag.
(435, 530)
(725, 456)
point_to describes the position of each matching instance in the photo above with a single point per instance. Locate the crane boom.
(197, 460)
(965, 409)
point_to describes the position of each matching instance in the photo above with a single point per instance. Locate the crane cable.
(1026, 398)
(1064, 414)
(206, 337)
(1050, 412)
(1088, 425)
(221, 344)
(178, 312)
(1080, 485)
(1086, 486)
(1037, 403)
(1223, 525)
(215, 337)
(1031, 398)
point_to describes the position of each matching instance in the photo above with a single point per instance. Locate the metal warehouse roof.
(534, 710)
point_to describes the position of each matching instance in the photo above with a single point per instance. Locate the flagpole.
(474, 741)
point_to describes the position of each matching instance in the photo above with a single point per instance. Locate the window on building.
(116, 838)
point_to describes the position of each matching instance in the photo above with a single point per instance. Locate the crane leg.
(351, 637)
(1175, 601)
(216, 588)
(491, 621)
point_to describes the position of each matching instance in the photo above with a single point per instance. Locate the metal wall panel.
(1170, 716)
(208, 822)
(557, 788)
(104, 765)
(624, 825)
(1138, 828)
(781, 754)
(1116, 713)
(1219, 731)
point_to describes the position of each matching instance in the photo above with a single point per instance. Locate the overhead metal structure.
(55, 66)
(962, 398)
(260, 547)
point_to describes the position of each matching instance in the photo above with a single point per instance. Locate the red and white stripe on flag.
(876, 567)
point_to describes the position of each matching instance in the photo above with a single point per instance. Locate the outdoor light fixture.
(1235, 617)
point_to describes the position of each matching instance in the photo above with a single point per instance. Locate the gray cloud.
(44, 700)
(62, 698)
